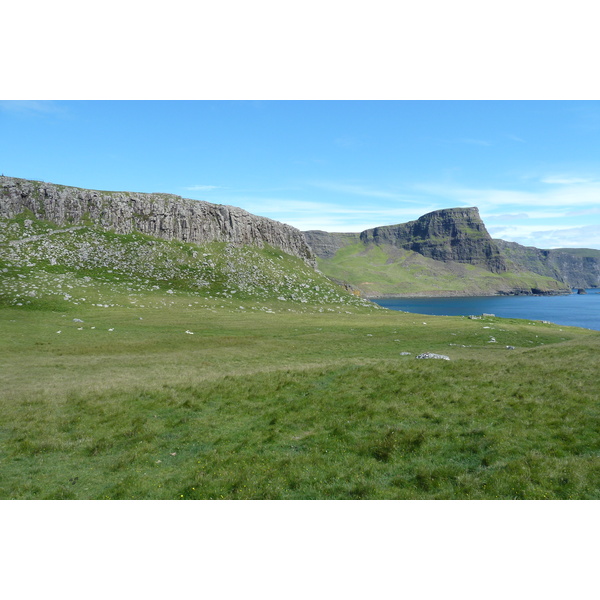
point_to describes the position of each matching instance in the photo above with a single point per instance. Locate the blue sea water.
(579, 310)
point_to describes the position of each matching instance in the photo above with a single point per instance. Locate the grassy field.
(295, 405)
(138, 370)
(387, 270)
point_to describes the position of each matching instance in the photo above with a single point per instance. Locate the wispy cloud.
(566, 196)
(475, 142)
(325, 216)
(549, 236)
(561, 180)
(32, 108)
(515, 138)
(361, 190)
(201, 188)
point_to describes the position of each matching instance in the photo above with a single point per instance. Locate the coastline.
(450, 294)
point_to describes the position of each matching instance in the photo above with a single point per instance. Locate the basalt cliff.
(576, 267)
(445, 252)
(164, 216)
(449, 235)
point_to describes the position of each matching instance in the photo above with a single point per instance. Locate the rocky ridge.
(164, 216)
(446, 252)
(447, 235)
(576, 268)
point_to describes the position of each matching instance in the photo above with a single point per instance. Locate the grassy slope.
(385, 270)
(283, 400)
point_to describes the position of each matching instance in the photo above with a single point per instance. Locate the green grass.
(163, 390)
(386, 270)
(294, 405)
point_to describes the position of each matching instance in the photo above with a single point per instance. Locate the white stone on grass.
(432, 355)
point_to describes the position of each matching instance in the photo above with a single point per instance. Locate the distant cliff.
(161, 215)
(578, 268)
(448, 235)
(445, 252)
(453, 234)
(326, 245)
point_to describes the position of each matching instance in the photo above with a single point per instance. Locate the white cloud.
(561, 180)
(577, 195)
(33, 107)
(201, 188)
(360, 190)
(475, 142)
(549, 236)
(326, 216)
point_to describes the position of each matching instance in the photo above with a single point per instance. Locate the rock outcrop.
(164, 216)
(448, 235)
(325, 244)
(443, 253)
(578, 268)
(453, 234)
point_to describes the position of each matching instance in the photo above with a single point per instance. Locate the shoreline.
(448, 294)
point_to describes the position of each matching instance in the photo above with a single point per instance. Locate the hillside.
(145, 367)
(45, 265)
(446, 252)
(165, 216)
(576, 267)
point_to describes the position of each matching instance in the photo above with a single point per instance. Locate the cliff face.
(325, 244)
(161, 215)
(443, 253)
(449, 235)
(454, 234)
(574, 267)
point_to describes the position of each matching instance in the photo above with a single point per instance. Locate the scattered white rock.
(432, 355)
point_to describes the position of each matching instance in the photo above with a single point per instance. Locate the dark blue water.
(579, 310)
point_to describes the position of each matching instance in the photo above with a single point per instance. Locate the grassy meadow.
(387, 270)
(289, 405)
(244, 374)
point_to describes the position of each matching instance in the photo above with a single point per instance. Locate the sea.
(578, 310)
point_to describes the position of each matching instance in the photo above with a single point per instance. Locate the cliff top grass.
(380, 270)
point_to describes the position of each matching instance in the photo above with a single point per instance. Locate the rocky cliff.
(325, 244)
(448, 235)
(164, 216)
(578, 268)
(443, 253)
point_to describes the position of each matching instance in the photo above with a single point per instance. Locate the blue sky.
(531, 167)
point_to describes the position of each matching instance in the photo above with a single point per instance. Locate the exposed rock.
(453, 234)
(432, 355)
(581, 291)
(578, 268)
(325, 244)
(160, 215)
